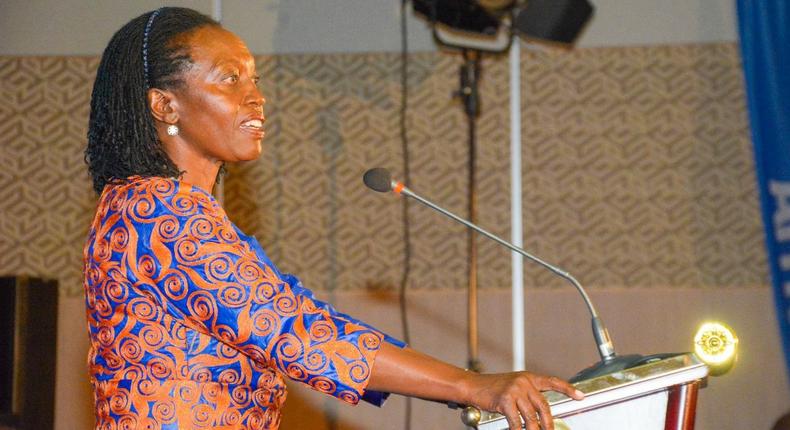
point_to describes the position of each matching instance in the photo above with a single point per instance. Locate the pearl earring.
(172, 130)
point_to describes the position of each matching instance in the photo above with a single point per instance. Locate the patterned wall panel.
(637, 168)
(46, 202)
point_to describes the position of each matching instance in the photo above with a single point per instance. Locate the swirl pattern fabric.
(192, 326)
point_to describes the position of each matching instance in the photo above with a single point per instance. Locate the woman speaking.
(191, 324)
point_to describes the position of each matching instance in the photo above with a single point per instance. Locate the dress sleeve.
(192, 260)
(370, 396)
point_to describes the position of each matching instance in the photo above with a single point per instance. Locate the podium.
(660, 395)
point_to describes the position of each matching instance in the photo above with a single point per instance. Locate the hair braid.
(122, 139)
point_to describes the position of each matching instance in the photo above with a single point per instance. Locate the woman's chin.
(251, 152)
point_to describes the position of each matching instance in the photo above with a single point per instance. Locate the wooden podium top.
(621, 386)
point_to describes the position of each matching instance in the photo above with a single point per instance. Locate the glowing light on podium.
(716, 344)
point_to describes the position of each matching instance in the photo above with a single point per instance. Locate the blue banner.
(764, 28)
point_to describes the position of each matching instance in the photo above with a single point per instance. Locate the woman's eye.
(232, 79)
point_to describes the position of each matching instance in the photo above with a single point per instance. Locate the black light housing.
(553, 20)
(557, 21)
(463, 15)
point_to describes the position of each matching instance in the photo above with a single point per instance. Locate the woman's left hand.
(517, 396)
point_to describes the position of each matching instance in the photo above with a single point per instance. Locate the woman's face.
(220, 108)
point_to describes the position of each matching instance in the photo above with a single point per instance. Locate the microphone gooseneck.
(379, 179)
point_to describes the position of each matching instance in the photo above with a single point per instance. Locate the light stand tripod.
(469, 95)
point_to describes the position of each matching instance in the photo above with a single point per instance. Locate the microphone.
(379, 179)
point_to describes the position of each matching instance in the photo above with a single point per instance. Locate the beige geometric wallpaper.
(637, 168)
(45, 199)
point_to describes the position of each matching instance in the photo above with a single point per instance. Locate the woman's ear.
(163, 105)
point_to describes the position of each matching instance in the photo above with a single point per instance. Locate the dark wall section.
(28, 332)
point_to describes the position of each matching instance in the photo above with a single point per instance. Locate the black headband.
(145, 43)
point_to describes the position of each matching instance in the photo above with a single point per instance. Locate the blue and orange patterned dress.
(192, 326)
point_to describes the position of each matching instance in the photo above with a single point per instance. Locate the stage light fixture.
(554, 21)
(461, 15)
(558, 21)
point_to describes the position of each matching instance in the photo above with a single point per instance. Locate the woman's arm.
(514, 395)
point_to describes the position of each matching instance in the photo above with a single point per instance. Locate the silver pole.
(516, 231)
(216, 10)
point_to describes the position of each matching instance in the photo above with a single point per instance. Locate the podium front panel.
(643, 413)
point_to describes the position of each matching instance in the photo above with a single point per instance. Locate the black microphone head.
(378, 179)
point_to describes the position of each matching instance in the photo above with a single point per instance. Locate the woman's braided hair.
(143, 54)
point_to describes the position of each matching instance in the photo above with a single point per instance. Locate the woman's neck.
(204, 177)
(198, 169)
